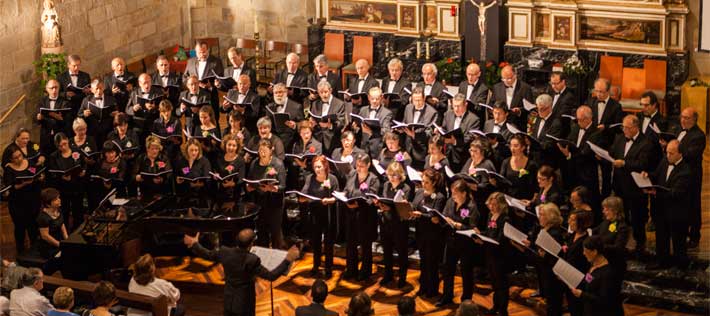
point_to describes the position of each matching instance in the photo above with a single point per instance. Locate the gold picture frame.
(363, 15)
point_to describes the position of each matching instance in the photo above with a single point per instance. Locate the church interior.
(527, 75)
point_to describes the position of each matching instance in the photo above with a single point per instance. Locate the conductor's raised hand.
(293, 254)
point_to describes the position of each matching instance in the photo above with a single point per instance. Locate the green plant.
(492, 73)
(447, 68)
(49, 66)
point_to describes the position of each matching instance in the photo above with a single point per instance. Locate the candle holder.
(256, 55)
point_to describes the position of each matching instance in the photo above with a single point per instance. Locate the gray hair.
(544, 99)
(320, 59)
(585, 112)
(279, 86)
(293, 55)
(432, 66)
(31, 276)
(324, 84)
(78, 122)
(459, 97)
(395, 62)
(606, 82)
(263, 121)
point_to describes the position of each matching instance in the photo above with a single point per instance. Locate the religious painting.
(363, 14)
(407, 17)
(430, 19)
(563, 28)
(542, 26)
(620, 30)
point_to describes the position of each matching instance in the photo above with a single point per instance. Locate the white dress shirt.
(27, 301)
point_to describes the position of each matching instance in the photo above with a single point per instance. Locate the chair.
(633, 85)
(656, 80)
(212, 43)
(362, 49)
(276, 54)
(334, 50)
(611, 67)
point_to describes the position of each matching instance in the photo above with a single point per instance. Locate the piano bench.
(31, 259)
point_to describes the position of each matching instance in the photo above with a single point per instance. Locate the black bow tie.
(419, 110)
(557, 93)
(98, 99)
(629, 139)
(74, 75)
(291, 73)
(321, 77)
(648, 116)
(119, 77)
(50, 99)
(360, 79)
(163, 76)
(192, 95)
(374, 110)
(684, 130)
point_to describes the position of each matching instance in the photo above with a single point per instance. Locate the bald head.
(507, 76)
(118, 65)
(246, 238)
(672, 151)
(584, 116)
(473, 72)
(688, 118)
(144, 82)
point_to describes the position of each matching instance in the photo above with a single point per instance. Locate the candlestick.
(419, 49)
(256, 23)
(426, 53)
(317, 11)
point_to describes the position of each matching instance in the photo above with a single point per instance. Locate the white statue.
(482, 13)
(50, 26)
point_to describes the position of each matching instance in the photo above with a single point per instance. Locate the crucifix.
(482, 7)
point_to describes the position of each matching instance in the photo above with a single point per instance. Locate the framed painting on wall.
(542, 26)
(431, 21)
(623, 33)
(362, 15)
(563, 29)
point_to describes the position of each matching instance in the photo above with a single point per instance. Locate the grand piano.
(120, 230)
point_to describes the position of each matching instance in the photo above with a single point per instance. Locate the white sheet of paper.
(600, 152)
(270, 258)
(515, 203)
(528, 106)
(413, 175)
(340, 196)
(514, 234)
(310, 197)
(378, 166)
(470, 232)
(545, 241)
(513, 129)
(641, 181)
(449, 173)
(567, 273)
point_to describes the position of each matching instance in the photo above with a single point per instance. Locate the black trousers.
(637, 215)
(321, 223)
(394, 234)
(695, 220)
(268, 223)
(500, 282)
(359, 232)
(463, 251)
(671, 231)
(72, 205)
(430, 243)
(24, 221)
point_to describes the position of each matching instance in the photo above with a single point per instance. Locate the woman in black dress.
(361, 219)
(192, 171)
(230, 167)
(497, 256)
(579, 200)
(394, 231)
(473, 167)
(109, 173)
(393, 151)
(429, 231)
(67, 170)
(461, 214)
(321, 213)
(268, 195)
(572, 252)
(549, 191)
(169, 128)
(83, 143)
(436, 158)
(306, 145)
(30, 150)
(347, 152)
(600, 291)
(152, 170)
(209, 129)
(23, 195)
(520, 170)
(614, 233)
(51, 229)
(235, 126)
(128, 144)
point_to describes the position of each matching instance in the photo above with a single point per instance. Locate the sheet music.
(513, 129)
(470, 232)
(514, 234)
(413, 175)
(516, 204)
(600, 151)
(378, 166)
(270, 258)
(567, 273)
(449, 173)
(641, 181)
(528, 106)
(545, 241)
(340, 196)
(299, 193)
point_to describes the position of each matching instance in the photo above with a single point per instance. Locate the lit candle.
(317, 9)
(256, 23)
(419, 49)
(427, 48)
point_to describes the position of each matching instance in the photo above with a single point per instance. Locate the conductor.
(241, 267)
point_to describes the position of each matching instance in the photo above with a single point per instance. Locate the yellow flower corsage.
(522, 173)
(612, 227)
(36, 147)
(205, 133)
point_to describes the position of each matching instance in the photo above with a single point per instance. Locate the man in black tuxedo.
(322, 73)
(650, 116)
(564, 102)
(241, 268)
(512, 91)
(292, 76)
(327, 131)
(142, 116)
(361, 84)
(78, 79)
(396, 83)
(606, 111)
(459, 118)
(237, 68)
(673, 206)
(579, 166)
(371, 136)
(52, 123)
(499, 125)
(475, 90)
(434, 91)
(202, 66)
(282, 104)
(170, 81)
(319, 292)
(692, 145)
(120, 82)
(417, 139)
(546, 124)
(631, 152)
(247, 102)
(196, 98)
(98, 110)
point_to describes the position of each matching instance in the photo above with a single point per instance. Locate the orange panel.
(334, 48)
(633, 83)
(655, 74)
(362, 48)
(611, 68)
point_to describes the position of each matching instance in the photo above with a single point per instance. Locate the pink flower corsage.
(32, 169)
(113, 170)
(564, 248)
(464, 212)
(399, 157)
(312, 149)
(170, 129)
(492, 224)
(271, 171)
(326, 184)
(75, 155)
(161, 165)
(229, 168)
(437, 166)
(186, 170)
(363, 186)
(542, 198)
(588, 277)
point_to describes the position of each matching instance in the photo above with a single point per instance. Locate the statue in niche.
(51, 38)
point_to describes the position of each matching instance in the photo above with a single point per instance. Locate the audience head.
(558, 81)
(52, 88)
(362, 67)
(613, 209)
(63, 298)
(50, 198)
(360, 305)
(630, 126)
(496, 203)
(473, 72)
(688, 118)
(467, 308)
(319, 291)
(406, 306)
(550, 215)
(673, 154)
(649, 102)
(395, 68)
(104, 294)
(33, 277)
(144, 270)
(429, 72)
(507, 76)
(246, 238)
